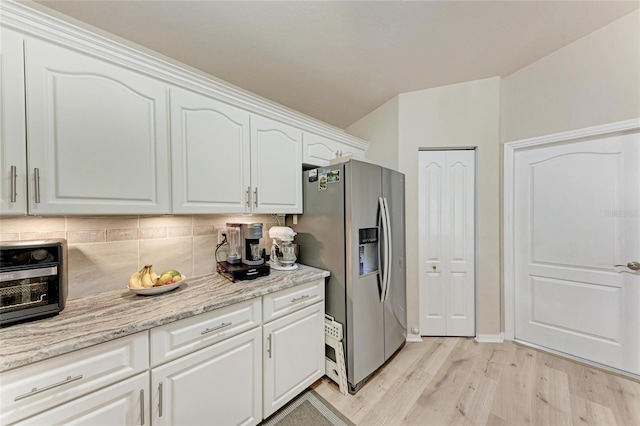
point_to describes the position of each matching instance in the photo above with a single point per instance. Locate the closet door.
(447, 245)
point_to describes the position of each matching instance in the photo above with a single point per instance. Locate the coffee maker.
(246, 258)
(251, 252)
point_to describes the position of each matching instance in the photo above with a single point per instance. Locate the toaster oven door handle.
(28, 273)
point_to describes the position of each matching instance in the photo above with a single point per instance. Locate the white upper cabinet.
(13, 162)
(320, 150)
(97, 135)
(276, 167)
(209, 154)
(225, 160)
(91, 126)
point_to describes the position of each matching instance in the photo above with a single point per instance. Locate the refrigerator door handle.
(382, 251)
(389, 249)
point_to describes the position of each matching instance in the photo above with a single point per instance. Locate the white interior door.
(576, 216)
(447, 245)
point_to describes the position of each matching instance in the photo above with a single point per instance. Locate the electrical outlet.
(221, 235)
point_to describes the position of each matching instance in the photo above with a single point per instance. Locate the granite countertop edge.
(107, 316)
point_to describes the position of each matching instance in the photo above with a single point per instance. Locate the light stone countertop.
(106, 316)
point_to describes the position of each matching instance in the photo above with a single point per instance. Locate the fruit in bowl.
(170, 276)
(146, 278)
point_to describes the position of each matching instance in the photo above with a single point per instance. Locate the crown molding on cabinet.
(37, 23)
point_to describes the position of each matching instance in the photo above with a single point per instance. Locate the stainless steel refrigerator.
(353, 225)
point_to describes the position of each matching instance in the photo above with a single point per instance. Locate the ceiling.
(336, 61)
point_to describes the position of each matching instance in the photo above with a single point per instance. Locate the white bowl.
(157, 290)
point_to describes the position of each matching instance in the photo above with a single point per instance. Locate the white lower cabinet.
(218, 385)
(232, 366)
(43, 387)
(294, 355)
(125, 403)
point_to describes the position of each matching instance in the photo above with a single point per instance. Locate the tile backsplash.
(105, 251)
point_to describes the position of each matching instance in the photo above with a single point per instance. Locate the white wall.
(594, 80)
(464, 114)
(459, 115)
(380, 128)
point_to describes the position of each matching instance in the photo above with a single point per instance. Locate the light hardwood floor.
(456, 381)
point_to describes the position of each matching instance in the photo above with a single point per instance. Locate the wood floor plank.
(585, 412)
(514, 393)
(457, 381)
(434, 406)
(405, 391)
(626, 396)
(552, 403)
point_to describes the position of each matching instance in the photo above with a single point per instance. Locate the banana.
(144, 278)
(134, 281)
(147, 276)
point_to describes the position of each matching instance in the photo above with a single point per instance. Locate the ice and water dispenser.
(368, 250)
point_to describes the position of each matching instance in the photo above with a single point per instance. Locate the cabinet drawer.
(125, 403)
(292, 299)
(37, 387)
(185, 336)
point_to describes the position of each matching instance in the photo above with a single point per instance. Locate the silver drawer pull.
(36, 391)
(297, 299)
(141, 407)
(223, 325)
(14, 177)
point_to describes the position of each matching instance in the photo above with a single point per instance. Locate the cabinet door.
(218, 385)
(346, 150)
(318, 150)
(125, 403)
(13, 161)
(97, 135)
(209, 155)
(276, 167)
(286, 373)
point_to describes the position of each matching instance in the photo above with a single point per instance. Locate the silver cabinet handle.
(297, 299)
(269, 345)
(36, 391)
(160, 402)
(36, 175)
(255, 196)
(14, 177)
(142, 406)
(247, 199)
(633, 265)
(223, 325)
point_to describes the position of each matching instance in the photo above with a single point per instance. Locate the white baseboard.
(490, 338)
(414, 338)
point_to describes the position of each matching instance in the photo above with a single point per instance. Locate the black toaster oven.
(33, 279)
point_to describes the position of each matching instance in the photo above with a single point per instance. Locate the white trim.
(510, 150)
(414, 338)
(32, 22)
(490, 338)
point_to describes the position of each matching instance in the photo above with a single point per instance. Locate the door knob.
(633, 265)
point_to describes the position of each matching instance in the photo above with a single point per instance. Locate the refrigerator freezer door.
(365, 325)
(395, 305)
(321, 237)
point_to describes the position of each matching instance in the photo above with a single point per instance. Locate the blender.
(283, 250)
(233, 238)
